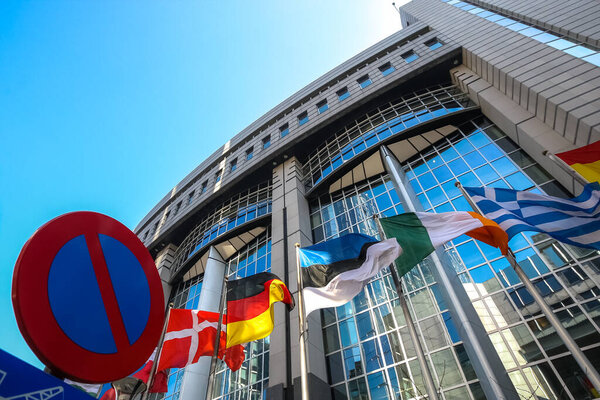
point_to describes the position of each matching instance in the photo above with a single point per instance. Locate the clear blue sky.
(106, 105)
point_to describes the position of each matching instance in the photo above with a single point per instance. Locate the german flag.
(585, 160)
(250, 306)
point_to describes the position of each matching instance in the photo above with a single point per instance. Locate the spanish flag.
(250, 306)
(585, 160)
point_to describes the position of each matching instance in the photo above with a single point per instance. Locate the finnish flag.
(575, 221)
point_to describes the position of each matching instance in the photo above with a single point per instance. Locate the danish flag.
(190, 335)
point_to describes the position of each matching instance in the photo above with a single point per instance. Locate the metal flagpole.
(566, 167)
(580, 357)
(213, 360)
(161, 342)
(427, 378)
(493, 377)
(302, 323)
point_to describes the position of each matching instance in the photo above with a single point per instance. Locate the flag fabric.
(585, 160)
(420, 233)
(89, 388)
(250, 306)
(158, 386)
(190, 335)
(573, 221)
(335, 271)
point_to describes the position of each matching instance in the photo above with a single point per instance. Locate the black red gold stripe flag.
(250, 306)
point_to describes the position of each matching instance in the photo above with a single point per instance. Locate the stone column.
(195, 377)
(290, 225)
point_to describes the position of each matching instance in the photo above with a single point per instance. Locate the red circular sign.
(88, 298)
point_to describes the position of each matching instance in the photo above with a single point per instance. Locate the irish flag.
(420, 233)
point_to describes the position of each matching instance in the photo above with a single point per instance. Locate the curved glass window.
(370, 336)
(239, 209)
(380, 124)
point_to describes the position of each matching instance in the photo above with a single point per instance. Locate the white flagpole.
(301, 320)
(425, 371)
(582, 360)
(566, 167)
(213, 360)
(161, 342)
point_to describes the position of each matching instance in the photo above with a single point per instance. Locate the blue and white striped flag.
(575, 221)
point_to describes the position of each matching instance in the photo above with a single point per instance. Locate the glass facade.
(368, 351)
(239, 209)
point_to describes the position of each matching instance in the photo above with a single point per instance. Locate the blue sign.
(21, 381)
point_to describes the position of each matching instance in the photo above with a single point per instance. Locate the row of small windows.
(303, 118)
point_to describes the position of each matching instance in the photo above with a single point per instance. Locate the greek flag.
(575, 221)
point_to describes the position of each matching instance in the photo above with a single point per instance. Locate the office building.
(470, 91)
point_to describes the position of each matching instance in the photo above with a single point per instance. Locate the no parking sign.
(88, 298)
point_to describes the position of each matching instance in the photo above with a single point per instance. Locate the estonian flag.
(335, 271)
(250, 306)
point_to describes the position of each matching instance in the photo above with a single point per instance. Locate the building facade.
(467, 91)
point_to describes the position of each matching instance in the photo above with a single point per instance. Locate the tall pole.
(487, 364)
(566, 167)
(161, 342)
(301, 320)
(578, 355)
(213, 360)
(427, 378)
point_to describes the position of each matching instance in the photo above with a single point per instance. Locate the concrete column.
(163, 262)
(290, 225)
(195, 377)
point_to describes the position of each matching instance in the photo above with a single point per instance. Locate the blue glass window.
(427, 180)
(450, 327)
(218, 176)
(436, 196)
(517, 27)
(189, 199)
(302, 118)
(545, 37)
(504, 166)
(519, 181)
(487, 174)
(470, 254)
(364, 81)
(561, 44)
(474, 159)
(449, 154)
(409, 56)
(343, 94)
(250, 153)
(531, 31)
(458, 166)
(433, 43)
(442, 173)
(494, 17)
(594, 59)
(579, 51)
(491, 152)
(322, 106)
(373, 359)
(479, 139)
(378, 386)
(266, 141)
(233, 165)
(352, 360)
(386, 69)
(284, 130)
(464, 147)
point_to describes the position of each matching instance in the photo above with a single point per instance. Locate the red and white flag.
(191, 335)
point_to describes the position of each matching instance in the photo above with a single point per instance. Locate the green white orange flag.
(420, 233)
